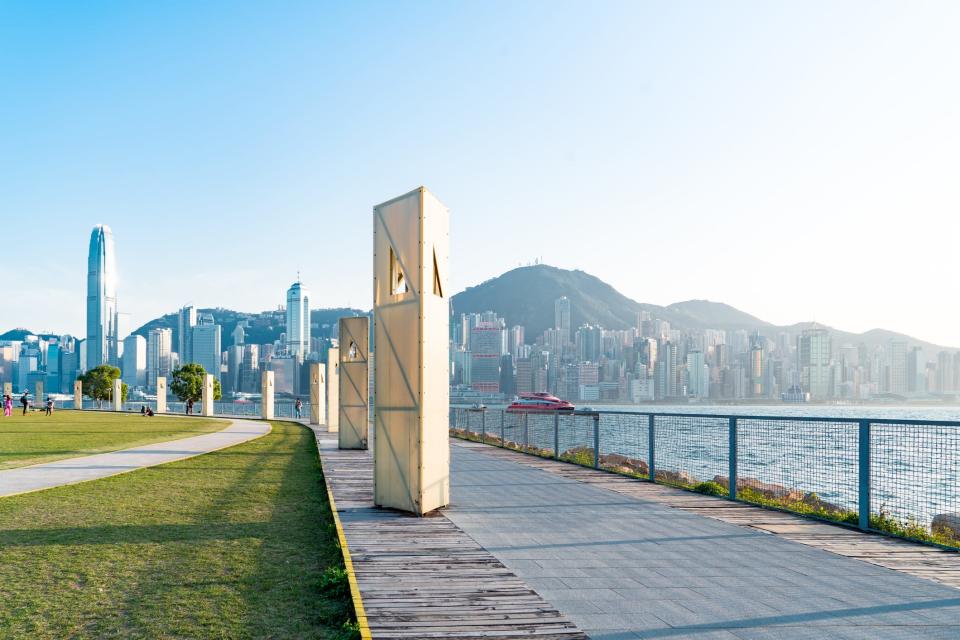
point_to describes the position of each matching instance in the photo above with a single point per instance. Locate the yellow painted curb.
(348, 563)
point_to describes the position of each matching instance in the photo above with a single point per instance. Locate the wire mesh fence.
(894, 477)
(691, 450)
(915, 480)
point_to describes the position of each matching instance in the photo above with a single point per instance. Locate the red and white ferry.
(540, 402)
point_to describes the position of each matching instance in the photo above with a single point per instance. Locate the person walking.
(49, 406)
(190, 407)
(7, 406)
(299, 407)
(25, 402)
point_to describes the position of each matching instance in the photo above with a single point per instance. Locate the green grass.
(239, 543)
(36, 438)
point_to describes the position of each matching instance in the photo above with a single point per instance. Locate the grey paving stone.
(693, 577)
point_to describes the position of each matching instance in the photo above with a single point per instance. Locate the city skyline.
(676, 154)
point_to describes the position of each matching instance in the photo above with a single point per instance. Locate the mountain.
(526, 296)
(20, 334)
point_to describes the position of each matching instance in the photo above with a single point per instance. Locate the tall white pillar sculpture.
(266, 395)
(38, 394)
(161, 394)
(77, 394)
(354, 385)
(333, 390)
(206, 395)
(117, 394)
(411, 320)
(318, 390)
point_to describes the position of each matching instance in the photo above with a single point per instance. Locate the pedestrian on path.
(299, 407)
(7, 406)
(190, 407)
(49, 406)
(25, 402)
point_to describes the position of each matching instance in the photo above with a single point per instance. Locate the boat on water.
(540, 402)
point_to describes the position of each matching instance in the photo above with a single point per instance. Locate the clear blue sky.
(798, 160)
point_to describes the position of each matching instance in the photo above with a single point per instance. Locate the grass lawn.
(238, 543)
(35, 438)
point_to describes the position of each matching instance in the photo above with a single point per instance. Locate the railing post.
(526, 432)
(596, 441)
(651, 447)
(864, 468)
(503, 414)
(483, 425)
(732, 455)
(556, 436)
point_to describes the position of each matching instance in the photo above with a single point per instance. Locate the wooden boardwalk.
(425, 577)
(931, 563)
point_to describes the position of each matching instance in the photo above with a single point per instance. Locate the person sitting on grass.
(49, 406)
(149, 412)
(143, 409)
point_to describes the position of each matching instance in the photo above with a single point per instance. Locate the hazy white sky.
(798, 160)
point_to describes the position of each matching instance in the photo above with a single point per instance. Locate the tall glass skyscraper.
(298, 321)
(102, 331)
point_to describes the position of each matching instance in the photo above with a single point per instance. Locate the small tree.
(187, 383)
(98, 383)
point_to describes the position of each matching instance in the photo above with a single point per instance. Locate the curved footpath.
(102, 465)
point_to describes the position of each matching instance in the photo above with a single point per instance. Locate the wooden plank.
(424, 577)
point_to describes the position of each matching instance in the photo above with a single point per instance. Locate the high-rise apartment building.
(102, 319)
(298, 321)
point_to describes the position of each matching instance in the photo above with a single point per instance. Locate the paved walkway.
(73, 470)
(623, 567)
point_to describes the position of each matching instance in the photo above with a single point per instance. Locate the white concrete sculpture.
(411, 320)
(161, 394)
(77, 394)
(354, 384)
(38, 394)
(117, 394)
(318, 390)
(266, 395)
(8, 390)
(206, 395)
(333, 390)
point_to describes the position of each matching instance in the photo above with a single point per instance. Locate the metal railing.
(898, 477)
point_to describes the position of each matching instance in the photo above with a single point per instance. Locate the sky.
(797, 160)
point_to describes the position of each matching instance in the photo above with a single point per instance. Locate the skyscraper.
(298, 321)
(186, 321)
(205, 346)
(814, 350)
(159, 361)
(101, 299)
(134, 361)
(561, 312)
